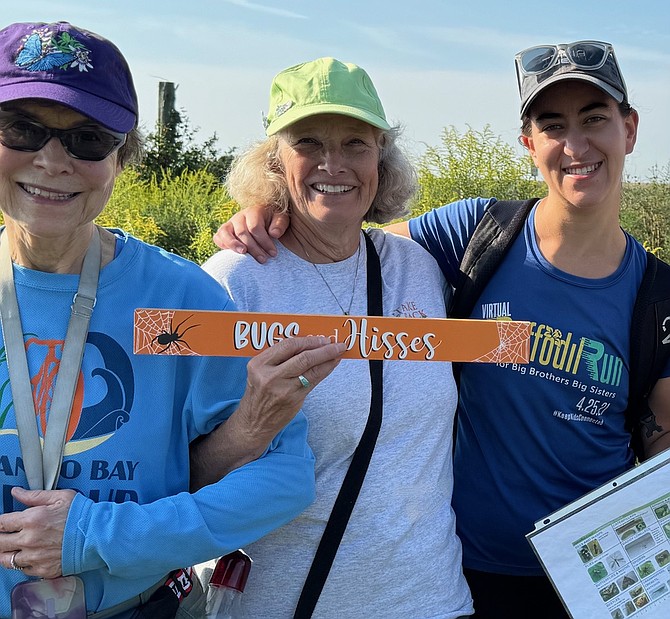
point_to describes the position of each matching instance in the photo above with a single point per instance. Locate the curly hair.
(257, 177)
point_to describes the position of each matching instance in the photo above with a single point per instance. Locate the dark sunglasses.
(588, 55)
(89, 142)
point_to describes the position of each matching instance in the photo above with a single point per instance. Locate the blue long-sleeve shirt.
(133, 519)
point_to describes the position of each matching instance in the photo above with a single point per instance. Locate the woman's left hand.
(278, 380)
(34, 537)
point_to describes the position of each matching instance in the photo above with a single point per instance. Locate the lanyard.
(43, 467)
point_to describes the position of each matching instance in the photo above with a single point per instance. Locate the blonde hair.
(257, 178)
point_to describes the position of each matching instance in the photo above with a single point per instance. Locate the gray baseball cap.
(589, 61)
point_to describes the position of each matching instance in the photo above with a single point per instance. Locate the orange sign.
(244, 334)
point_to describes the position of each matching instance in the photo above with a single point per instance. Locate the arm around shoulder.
(400, 228)
(253, 230)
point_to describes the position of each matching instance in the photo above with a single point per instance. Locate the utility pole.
(166, 104)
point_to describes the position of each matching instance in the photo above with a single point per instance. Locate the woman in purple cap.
(534, 438)
(94, 439)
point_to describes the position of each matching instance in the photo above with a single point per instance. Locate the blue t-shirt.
(540, 435)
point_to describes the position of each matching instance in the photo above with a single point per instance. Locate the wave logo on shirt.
(91, 425)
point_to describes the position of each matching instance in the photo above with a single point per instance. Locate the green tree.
(473, 163)
(172, 149)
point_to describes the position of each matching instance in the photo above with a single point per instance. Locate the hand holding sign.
(278, 381)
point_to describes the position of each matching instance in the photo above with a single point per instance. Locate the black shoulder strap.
(353, 480)
(501, 224)
(490, 241)
(649, 348)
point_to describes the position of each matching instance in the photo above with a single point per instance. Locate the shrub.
(475, 163)
(645, 210)
(179, 213)
(126, 209)
(172, 149)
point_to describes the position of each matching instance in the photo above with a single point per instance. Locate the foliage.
(178, 212)
(172, 149)
(179, 208)
(645, 210)
(126, 209)
(474, 163)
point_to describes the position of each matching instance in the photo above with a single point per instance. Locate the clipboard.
(607, 554)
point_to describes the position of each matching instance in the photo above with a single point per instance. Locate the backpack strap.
(501, 224)
(649, 349)
(493, 236)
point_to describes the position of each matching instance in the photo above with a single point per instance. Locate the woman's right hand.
(32, 539)
(253, 230)
(275, 391)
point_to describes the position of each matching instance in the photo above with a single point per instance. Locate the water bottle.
(227, 585)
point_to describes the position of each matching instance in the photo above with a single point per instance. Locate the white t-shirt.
(399, 555)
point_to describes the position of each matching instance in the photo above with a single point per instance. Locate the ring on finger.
(303, 381)
(13, 563)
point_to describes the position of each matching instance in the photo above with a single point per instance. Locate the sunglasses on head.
(88, 142)
(587, 55)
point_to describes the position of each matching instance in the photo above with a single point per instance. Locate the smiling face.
(578, 139)
(331, 165)
(48, 194)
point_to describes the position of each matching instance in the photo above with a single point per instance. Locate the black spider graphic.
(173, 337)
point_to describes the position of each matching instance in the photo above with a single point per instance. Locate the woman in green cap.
(331, 161)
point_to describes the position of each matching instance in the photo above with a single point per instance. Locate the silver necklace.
(347, 311)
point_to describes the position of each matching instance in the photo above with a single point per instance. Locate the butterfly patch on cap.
(43, 50)
(283, 108)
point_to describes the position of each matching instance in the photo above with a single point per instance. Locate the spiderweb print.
(156, 333)
(513, 343)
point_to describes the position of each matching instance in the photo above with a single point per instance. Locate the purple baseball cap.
(66, 64)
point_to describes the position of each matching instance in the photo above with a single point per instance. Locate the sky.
(435, 63)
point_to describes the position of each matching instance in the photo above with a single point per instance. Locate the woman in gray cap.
(534, 438)
(95, 439)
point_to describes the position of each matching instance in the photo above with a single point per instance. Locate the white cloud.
(265, 9)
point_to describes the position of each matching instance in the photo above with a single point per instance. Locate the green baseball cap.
(323, 86)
